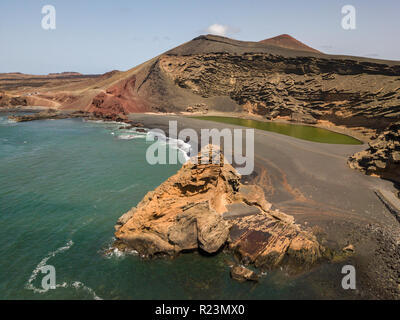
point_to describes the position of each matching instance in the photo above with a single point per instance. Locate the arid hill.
(275, 78)
(287, 41)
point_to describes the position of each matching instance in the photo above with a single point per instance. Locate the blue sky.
(99, 36)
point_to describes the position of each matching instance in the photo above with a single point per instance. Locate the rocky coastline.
(57, 115)
(382, 158)
(206, 208)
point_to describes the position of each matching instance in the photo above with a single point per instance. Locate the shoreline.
(312, 182)
(321, 124)
(296, 177)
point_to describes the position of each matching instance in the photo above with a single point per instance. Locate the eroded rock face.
(210, 73)
(183, 213)
(10, 101)
(382, 158)
(205, 207)
(303, 89)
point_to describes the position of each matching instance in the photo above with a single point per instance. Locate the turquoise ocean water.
(63, 185)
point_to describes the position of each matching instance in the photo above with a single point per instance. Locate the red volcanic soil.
(288, 42)
(190, 74)
(119, 98)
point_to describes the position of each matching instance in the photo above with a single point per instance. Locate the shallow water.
(294, 130)
(64, 184)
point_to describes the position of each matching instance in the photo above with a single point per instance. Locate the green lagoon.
(304, 132)
(64, 184)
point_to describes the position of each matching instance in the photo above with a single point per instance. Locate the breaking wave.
(130, 136)
(176, 144)
(106, 122)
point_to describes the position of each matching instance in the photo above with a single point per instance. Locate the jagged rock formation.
(205, 207)
(382, 158)
(341, 91)
(241, 274)
(7, 101)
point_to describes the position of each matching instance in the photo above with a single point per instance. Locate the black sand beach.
(312, 182)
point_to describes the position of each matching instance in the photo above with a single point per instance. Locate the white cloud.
(218, 29)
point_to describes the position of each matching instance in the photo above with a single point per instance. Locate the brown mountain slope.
(230, 75)
(288, 42)
(221, 74)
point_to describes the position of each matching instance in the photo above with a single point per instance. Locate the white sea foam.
(115, 253)
(112, 252)
(130, 136)
(107, 122)
(176, 144)
(134, 130)
(80, 285)
(76, 284)
(124, 189)
(29, 285)
(181, 146)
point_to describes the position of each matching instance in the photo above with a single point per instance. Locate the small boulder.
(242, 274)
(349, 249)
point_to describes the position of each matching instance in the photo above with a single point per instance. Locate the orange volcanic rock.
(205, 207)
(288, 42)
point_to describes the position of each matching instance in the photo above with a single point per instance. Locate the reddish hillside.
(288, 42)
(278, 77)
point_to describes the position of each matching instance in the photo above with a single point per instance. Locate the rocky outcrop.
(382, 158)
(301, 117)
(205, 207)
(198, 107)
(56, 114)
(241, 274)
(7, 101)
(342, 91)
(49, 114)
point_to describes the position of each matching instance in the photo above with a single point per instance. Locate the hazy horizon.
(94, 38)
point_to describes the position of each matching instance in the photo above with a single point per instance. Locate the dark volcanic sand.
(312, 182)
